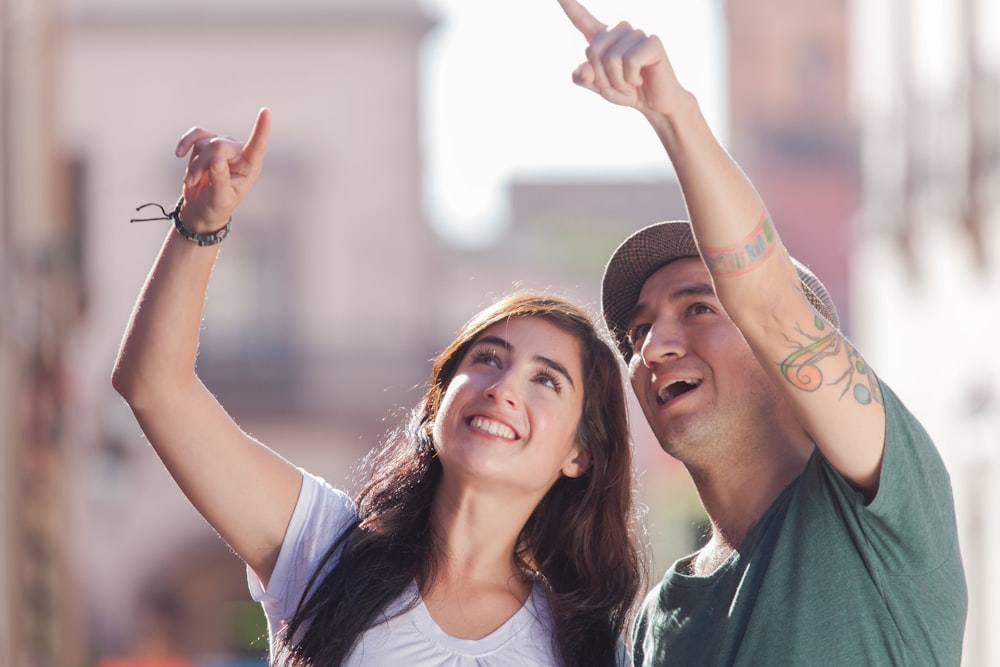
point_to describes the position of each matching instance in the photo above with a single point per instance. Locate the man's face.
(696, 379)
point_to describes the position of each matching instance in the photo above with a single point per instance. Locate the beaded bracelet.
(194, 237)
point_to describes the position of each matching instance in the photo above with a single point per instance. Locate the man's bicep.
(836, 395)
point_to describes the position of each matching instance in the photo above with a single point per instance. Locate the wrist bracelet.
(193, 237)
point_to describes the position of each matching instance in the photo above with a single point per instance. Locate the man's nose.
(663, 340)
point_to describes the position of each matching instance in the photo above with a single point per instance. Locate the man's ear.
(578, 462)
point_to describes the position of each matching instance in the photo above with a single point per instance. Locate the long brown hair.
(581, 542)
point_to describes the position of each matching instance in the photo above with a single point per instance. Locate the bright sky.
(499, 101)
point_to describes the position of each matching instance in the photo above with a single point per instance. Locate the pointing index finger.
(582, 19)
(253, 150)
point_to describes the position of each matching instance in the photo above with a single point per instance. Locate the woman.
(497, 524)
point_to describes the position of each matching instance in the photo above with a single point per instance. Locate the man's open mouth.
(672, 390)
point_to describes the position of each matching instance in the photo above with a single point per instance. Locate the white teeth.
(493, 427)
(675, 388)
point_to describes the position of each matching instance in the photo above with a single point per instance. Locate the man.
(833, 537)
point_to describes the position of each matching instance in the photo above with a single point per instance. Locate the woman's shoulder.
(316, 489)
(321, 514)
(321, 510)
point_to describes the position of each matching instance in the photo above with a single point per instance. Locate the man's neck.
(736, 497)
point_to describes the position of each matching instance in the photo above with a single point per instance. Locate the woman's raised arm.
(246, 491)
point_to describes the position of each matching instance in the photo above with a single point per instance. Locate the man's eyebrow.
(694, 289)
(551, 363)
(682, 292)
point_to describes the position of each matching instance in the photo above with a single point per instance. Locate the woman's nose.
(502, 390)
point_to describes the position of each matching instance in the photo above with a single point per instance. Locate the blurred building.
(927, 268)
(791, 129)
(41, 305)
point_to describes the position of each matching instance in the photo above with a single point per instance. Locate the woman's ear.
(578, 462)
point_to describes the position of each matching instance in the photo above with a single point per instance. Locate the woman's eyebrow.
(498, 341)
(551, 363)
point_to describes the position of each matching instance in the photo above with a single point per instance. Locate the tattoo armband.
(746, 255)
(802, 371)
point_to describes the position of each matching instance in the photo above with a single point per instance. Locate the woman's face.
(510, 414)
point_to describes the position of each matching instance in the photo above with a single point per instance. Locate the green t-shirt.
(824, 579)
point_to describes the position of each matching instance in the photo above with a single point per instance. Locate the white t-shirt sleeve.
(321, 514)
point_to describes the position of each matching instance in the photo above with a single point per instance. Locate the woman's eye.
(549, 380)
(485, 356)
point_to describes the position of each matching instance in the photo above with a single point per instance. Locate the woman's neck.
(475, 532)
(476, 586)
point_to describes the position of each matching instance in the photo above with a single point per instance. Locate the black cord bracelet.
(193, 237)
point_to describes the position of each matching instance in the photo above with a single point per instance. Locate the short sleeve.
(321, 514)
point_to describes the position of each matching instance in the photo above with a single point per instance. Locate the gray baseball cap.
(648, 250)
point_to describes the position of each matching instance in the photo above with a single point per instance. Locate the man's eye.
(700, 309)
(638, 335)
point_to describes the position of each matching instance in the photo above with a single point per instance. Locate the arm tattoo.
(802, 372)
(758, 245)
